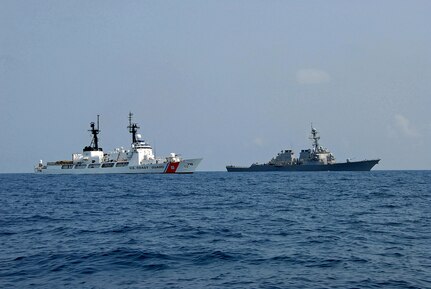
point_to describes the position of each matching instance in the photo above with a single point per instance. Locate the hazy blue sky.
(233, 82)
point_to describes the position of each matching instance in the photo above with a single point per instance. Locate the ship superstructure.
(317, 158)
(140, 158)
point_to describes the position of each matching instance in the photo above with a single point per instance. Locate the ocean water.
(217, 230)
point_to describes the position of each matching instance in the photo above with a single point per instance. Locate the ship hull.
(187, 166)
(365, 165)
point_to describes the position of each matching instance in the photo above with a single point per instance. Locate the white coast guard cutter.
(139, 159)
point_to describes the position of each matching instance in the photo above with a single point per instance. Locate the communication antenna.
(130, 119)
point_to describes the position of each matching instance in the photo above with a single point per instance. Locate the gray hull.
(365, 165)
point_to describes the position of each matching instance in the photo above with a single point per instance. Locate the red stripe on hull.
(172, 168)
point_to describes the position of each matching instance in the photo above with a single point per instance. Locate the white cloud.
(259, 142)
(403, 126)
(312, 76)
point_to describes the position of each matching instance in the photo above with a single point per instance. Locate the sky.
(233, 82)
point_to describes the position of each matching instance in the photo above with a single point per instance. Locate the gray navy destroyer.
(315, 159)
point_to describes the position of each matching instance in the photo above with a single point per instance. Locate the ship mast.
(133, 128)
(94, 145)
(315, 138)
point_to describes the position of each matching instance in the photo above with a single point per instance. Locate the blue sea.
(217, 230)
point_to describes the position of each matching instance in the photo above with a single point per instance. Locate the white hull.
(139, 159)
(183, 167)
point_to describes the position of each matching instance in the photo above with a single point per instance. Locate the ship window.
(107, 165)
(80, 166)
